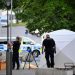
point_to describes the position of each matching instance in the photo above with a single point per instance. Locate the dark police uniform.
(49, 44)
(16, 46)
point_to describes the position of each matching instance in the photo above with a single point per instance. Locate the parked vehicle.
(25, 43)
(3, 17)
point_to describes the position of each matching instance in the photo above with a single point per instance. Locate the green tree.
(2, 4)
(47, 15)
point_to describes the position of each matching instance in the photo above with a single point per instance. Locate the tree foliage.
(2, 4)
(71, 3)
(47, 15)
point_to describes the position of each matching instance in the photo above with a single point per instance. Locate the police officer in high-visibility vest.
(16, 46)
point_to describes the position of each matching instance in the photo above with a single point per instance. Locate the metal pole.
(7, 29)
(11, 22)
(8, 52)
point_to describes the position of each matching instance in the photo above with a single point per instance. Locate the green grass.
(19, 24)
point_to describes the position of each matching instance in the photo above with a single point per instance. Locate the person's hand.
(55, 51)
(42, 51)
(9, 45)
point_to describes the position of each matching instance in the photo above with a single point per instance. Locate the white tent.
(65, 46)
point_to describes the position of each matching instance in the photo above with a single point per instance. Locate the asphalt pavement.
(18, 31)
(42, 71)
(20, 72)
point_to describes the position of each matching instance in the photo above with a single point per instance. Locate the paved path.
(18, 31)
(20, 72)
(42, 71)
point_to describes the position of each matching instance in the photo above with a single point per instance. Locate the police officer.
(48, 45)
(16, 46)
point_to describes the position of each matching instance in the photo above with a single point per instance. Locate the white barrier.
(51, 71)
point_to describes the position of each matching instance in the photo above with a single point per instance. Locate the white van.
(3, 20)
(25, 43)
(3, 17)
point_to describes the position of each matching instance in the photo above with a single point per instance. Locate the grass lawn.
(19, 24)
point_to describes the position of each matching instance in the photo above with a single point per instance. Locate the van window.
(3, 20)
(3, 42)
(26, 42)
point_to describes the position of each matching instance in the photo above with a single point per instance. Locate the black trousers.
(16, 60)
(49, 59)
